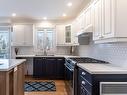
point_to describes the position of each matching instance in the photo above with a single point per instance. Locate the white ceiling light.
(44, 18)
(13, 14)
(64, 15)
(69, 4)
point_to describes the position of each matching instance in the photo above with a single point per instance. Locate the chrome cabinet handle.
(83, 82)
(83, 73)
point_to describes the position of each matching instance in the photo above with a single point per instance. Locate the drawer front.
(86, 86)
(85, 75)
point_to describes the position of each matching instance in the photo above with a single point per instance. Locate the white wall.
(114, 53)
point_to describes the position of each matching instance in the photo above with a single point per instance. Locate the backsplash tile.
(114, 53)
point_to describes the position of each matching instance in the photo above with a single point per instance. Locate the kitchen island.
(12, 76)
(93, 78)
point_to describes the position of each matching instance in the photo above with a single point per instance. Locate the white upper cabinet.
(88, 20)
(22, 35)
(65, 35)
(60, 34)
(97, 26)
(110, 22)
(75, 32)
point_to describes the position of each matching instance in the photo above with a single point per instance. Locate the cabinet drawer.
(85, 75)
(86, 86)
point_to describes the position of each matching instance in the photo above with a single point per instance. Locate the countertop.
(8, 64)
(45, 56)
(94, 68)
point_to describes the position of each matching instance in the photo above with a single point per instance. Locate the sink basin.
(44, 55)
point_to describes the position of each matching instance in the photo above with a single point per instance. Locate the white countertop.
(8, 64)
(94, 68)
(46, 56)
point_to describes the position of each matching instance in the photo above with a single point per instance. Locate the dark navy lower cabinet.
(88, 84)
(48, 68)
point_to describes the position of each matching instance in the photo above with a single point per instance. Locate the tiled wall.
(30, 51)
(114, 53)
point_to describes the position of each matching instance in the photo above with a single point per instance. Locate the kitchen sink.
(44, 55)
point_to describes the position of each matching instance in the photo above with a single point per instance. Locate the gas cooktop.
(85, 60)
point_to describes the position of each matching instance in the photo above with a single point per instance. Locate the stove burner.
(86, 60)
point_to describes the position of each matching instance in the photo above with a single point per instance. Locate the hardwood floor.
(60, 88)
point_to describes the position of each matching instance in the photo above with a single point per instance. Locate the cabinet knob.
(83, 82)
(83, 73)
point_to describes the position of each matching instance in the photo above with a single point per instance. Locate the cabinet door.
(28, 33)
(107, 18)
(88, 17)
(97, 19)
(18, 35)
(74, 32)
(20, 79)
(60, 30)
(51, 67)
(39, 67)
(68, 34)
(60, 68)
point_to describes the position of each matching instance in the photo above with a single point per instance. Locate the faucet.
(45, 52)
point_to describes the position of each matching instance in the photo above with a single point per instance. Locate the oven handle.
(68, 68)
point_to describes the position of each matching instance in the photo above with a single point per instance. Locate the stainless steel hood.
(85, 38)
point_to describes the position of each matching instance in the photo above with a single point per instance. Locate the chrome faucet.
(45, 52)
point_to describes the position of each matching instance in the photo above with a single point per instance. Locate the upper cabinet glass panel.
(68, 34)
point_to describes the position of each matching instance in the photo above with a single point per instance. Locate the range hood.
(85, 36)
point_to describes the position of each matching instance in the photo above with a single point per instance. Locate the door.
(97, 19)
(39, 67)
(28, 31)
(18, 35)
(5, 42)
(60, 68)
(60, 30)
(107, 18)
(51, 67)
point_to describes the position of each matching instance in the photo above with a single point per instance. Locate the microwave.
(113, 88)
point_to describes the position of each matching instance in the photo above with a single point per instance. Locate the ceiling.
(37, 9)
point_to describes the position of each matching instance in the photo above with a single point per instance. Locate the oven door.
(69, 79)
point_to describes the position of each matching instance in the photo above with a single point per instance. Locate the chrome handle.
(83, 82)
(83, 73)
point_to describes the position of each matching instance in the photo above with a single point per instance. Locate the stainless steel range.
(71, 71)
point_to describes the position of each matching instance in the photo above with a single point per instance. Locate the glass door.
(4, 42)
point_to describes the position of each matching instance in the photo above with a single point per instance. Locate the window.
(45, 39)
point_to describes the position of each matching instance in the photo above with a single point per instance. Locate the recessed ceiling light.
(69, 4)
(64, 15)
(13, 14)
(44, 18)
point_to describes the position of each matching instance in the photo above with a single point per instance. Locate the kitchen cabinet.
(75, 32)
(60, 30)
(22, 35)
(60, 68)
(109, 21)
(48, 67)
(97, 6)
(12, 81)
(89, 84)
(39, 67)
(64, 35)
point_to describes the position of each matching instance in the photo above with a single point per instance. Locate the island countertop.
(94, 68)
(8, 64)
